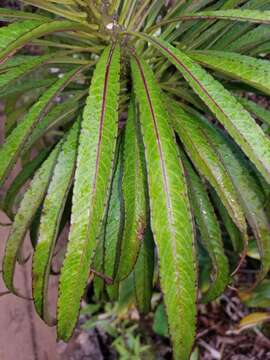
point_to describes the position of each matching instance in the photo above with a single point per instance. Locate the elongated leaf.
(58, 115)
(250, 39)
(231, 228)
(250, 70)
(134, 196)
(16, 35)
(143, 273)
(28, 207)
(26, 173)
(114, 226)
(50, 220)
(237, 121)
(210, 233)
(260, 112)
(17, 139)
(171, 220)
(107, 252)
(14, 74)
(92, 183)
(250, 195)
(27, 85)
(207, 162)
(12, 14)
(253, 16)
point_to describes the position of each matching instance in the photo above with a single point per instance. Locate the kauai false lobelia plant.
(142, 130)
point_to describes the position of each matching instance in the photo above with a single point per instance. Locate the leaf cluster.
(149, 150)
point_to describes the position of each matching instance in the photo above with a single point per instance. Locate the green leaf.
(134, 195)
(92, 183)
(16, 35)
(171, 220)
(23, 86)
(50, 220)
(249, 70)
(23, 219)
(107, 252)
(210, 233)
(58, 115)
(114, 225)
(231, 228)
(251, 196)
(258, 297)
(207, 162)
(19, 71)
(258, 111)
(250, 39)
(15, 142)
(160, 324)
(237, 121)
(143, 273)
(27, 171)
(12, 14)
(253, 16)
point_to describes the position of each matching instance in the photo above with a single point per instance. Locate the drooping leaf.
(27, 171)
(57, 116)
(19, 71)
(143, 273)
(237, 121)
(92, 183)
(171, 221)
(250, 70)
(257, 110)
(28, 207)
(251, 196)
(12, 14)
(207, 162)
(231, 228)
(50, 220)
(107, 252)
(28, 85)
(134, 196)
(16, 35)
(250, 39)
(114, 226)
(253, 16)
(16, 140)
(210, 233)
